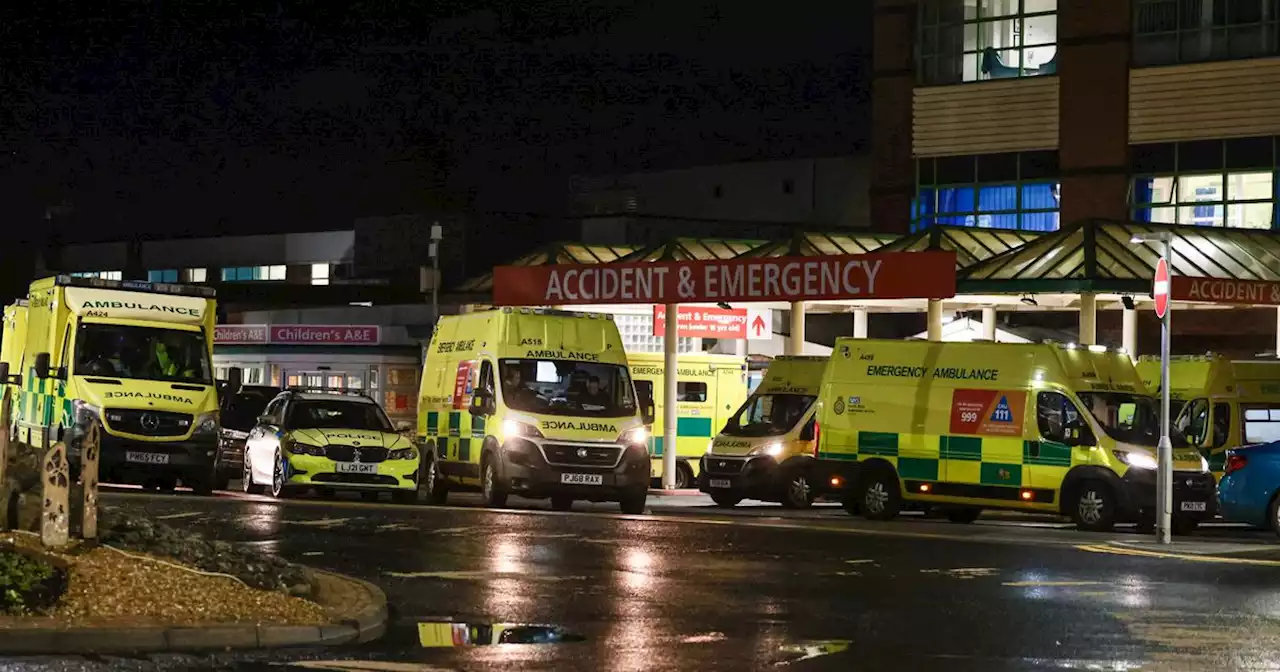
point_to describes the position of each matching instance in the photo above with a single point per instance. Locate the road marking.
(963, 572)
(859, 562)
(174, 516)
(326, 523)
(365, 666)
(1135, 552)
(476, 575)
(1051, 584)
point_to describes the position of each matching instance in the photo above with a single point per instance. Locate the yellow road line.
(1137, 552)
(1051, 584)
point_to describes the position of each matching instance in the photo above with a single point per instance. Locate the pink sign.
(297, 334)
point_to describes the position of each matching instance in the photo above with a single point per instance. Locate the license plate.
(582, 479)
(720, 483)
(357, 468)
(146, 458)
(1193, 506)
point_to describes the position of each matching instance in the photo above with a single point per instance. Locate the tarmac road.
(710, 591)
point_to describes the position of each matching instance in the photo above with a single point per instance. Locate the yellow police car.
(329, 441)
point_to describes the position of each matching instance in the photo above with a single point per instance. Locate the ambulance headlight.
(517, 428)
(1136, 460)
(636, 436)
(84, 414)
(710, 445)
(1204, 464)
(771, 449)
(207, 423)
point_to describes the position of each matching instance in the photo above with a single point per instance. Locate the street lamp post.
(1164, 450)
(437, 233)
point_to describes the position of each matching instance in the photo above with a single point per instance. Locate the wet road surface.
(726, 592)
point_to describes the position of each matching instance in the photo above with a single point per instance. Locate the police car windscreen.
(145, 353)
(768, 415)
(561, 387)
(1130, 418)
(336, 414)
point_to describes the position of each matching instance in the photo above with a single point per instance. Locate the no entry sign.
(889, 275)
(1160, 287)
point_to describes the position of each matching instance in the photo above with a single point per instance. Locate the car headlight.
(207, 423)
(84, 414)
(403, 454)
(636, 436)
(771, 449)
(1136, 460)
(291, 446)
(710, 444)
(1204, 464)
(517, 428)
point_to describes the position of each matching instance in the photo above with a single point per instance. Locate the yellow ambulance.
(133, 357)
(961, 427)
(12, 341)
(533, 403)
(709, 388)
(1224, 403)
(766, 451)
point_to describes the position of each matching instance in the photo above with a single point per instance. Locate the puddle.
(450, 634)
(795, 653)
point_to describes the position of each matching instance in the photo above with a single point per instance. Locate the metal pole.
(436, 235)
(671, 364)
(1164, 451)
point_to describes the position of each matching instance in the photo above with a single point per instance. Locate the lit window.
(166, 275)
(195, 275)
(1242, 200)
(1179, 31)
(243, 273)
(319, 274)
(1017, 191)
(101, 275)
(974, 40)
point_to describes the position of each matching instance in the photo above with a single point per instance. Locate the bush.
(27, 583)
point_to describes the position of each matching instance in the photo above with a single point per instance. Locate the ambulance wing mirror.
(41, 366)
(1077, 433)
(4, 373)
(648, 413)
(482, 402)
(235, 380)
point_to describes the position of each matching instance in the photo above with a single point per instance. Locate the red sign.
(886, 275)
(758, 327)
(240, 333)
(1160, 287)
(1220, 290)
(698, 322)
(462, 387)
(319, 334)
(987, 412)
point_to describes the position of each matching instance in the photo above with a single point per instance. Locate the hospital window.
(1205, 183)
(1192, 31)
(694, 392)
(993, 191)
(977, 40)
(637, 335)
(245, 273)
(166, 275)
(319, 274)
(1261, 425)
(101, 275)
(195, 274)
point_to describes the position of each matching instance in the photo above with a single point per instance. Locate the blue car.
(1248, 491)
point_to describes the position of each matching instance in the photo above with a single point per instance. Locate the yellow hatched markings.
(1138, 552)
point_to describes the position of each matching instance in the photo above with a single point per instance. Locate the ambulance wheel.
(246, 479)
(725, 501)
(633, 503)
(964, 515)
(494, 496)
(797, 492)
(561, 502)
(437, 487)
(684, 476)
(879, 496)
(1093, 506)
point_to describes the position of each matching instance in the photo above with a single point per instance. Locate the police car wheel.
(277, 478)
(246, 479)
(1093, 507)
(879, 495)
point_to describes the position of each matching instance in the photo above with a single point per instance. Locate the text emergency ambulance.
(766, 451)
(960, 427)
(533, 403)
(1224, 404)
(133, 357)
(709, 388)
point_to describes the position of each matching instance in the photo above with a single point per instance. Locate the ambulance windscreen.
(563, 387)
(1130, 418)
(768, 415)
(143, 353)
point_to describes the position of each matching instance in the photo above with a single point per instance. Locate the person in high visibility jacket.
(167, 352)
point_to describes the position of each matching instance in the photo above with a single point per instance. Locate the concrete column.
(796, 345)
(740, 347)
(989, 324)
(1088, 319)
(1129, 335)
(671, 364)
(860, 323)
(935, 320)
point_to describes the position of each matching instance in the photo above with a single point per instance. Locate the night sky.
(226, 116)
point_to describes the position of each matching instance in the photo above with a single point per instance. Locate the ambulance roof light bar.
(136, 286)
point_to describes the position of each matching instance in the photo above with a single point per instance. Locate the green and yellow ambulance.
(533, 403)
(709, 389)
(962, 427)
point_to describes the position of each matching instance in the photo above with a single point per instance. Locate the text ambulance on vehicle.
(767, 449)
(709, 389)
(533, 403)
(960, 427)
(133, 358)
(1224, 403)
